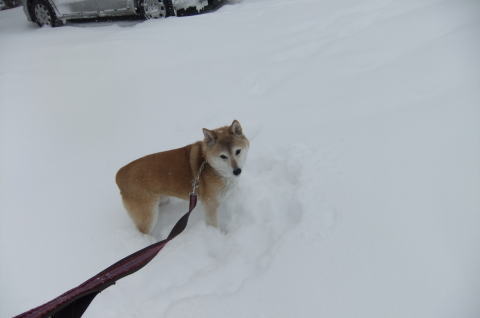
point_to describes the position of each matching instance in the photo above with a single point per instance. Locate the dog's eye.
(223, 157)
(238, 151)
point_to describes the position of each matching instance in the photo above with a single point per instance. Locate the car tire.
(43, 14)
(169, 6)
(154, 9)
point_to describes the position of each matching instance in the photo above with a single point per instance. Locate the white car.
(7, 4)
(57, 12)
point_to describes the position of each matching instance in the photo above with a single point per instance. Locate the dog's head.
(226, 149)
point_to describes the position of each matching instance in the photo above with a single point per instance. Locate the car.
(57, 12)
(7, 4)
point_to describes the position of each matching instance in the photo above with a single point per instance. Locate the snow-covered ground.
(361, 194)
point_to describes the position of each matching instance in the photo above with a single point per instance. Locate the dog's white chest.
(229, 185)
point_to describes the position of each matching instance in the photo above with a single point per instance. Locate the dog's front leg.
(211, 211)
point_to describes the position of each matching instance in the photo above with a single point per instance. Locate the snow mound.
(204, 261)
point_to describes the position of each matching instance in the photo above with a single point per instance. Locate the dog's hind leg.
(143, 211)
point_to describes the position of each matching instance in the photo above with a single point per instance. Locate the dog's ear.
(210, 136)
(235, 128)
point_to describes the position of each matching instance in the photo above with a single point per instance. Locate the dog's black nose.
(237, 171)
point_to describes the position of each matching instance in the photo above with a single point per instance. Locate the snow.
(184, 4)
(360, 196)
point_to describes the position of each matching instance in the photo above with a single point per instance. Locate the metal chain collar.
(196, 181)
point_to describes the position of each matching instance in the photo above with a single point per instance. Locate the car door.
(80, 8)
(113, 7)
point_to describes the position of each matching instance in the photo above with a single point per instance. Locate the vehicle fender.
(136, 5)
(28, 9)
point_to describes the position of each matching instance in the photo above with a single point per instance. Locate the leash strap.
(74, 302)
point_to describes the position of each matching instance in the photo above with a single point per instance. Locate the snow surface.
(360, 197)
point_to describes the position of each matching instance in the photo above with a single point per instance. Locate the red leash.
(74, 302)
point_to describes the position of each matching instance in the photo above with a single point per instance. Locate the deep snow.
(360, 197)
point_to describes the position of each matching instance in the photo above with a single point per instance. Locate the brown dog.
(146, 182)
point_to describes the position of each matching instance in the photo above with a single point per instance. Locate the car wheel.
(44, 14)
(153, 9)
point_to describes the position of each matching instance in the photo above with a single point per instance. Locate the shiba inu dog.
(147, 182)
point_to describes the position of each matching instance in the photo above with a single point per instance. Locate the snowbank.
(184, 4)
